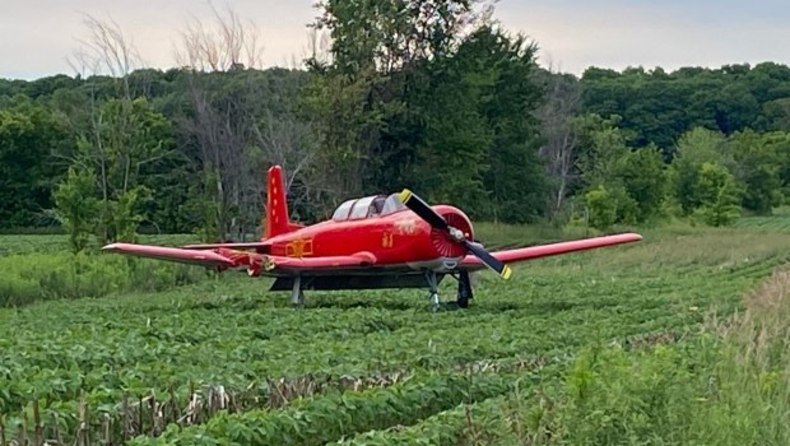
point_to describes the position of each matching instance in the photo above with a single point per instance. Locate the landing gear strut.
(433, 285)
(297, 295)
(464, 289)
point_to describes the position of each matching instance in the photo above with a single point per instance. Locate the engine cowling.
(442, 242)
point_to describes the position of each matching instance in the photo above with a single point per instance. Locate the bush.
(602, 207)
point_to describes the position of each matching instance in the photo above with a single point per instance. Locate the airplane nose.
(445, 244)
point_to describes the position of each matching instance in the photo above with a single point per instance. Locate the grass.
(633, 344)
(779, 220)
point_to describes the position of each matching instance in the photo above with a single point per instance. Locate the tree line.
(434, 95)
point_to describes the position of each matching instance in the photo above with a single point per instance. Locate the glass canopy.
(366, 207)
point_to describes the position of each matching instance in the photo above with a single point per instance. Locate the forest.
(437, 97)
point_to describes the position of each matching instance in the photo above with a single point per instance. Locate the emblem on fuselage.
(407, 226)
(299, 248)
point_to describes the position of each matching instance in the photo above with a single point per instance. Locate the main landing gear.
(464, 290)
(433, 285)
(297, 295)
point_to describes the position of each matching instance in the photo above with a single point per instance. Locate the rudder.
(276, 219)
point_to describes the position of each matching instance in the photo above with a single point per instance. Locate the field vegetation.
(680, 339)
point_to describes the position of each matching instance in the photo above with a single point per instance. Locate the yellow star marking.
(299, 248)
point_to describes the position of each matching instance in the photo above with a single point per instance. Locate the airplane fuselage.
(399, 238)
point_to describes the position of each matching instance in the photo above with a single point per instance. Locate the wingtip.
(506, 272)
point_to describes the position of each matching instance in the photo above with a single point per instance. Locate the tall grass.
(751, 404)
(728, 385)
(36, 276)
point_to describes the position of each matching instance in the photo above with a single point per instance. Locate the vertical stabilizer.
(276, 219)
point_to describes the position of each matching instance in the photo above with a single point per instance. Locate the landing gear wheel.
(435, 304)
(464, 290)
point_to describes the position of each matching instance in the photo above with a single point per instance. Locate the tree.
(119, 136)
(643, 177)
(601, 207)
(720, 195)
(601, 145)
(757, 165)
(239, 121)
(696, 147)
(76, 206)
(560, 145)
(368, 99)
(433, 94)
(29, 136)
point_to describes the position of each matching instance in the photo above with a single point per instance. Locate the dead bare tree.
(106, 48)
(114, 138)
(562, 103)
(236, 133)
(228, 44)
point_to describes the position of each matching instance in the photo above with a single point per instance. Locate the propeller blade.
(424, 211)
(421, 208)
(490, 261)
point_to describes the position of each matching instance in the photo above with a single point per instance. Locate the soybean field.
(643, 343)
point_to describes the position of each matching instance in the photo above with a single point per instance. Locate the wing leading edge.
(533, 252)
(223, 258)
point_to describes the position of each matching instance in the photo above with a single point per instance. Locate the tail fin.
(276, 219)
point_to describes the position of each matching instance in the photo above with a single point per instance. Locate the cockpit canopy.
(366, 207)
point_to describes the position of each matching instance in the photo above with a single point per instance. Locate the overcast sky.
(36, 36)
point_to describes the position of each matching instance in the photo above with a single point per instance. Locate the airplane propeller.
(424, 211)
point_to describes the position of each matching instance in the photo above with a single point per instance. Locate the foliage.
(757, 169)
(227, 334)
(433, 95)
(77, 208)
(719, 195)
(696, 147)
(331, 417)
(30, 136)
(658, 107)
(37, 277)
(602, 206)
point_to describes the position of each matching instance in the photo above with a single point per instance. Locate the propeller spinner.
(421, 208)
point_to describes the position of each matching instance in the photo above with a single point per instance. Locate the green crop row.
(332, 417)
(108, 349)
(231, 333)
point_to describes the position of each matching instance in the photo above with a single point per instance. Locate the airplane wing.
(223, 258)
(237, 245)
(472, 262)
(280, 265)
(204, 258)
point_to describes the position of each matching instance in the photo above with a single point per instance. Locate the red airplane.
(395, 241)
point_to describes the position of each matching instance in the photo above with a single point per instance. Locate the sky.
(38, 36)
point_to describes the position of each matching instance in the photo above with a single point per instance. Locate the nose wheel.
(433, 285)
